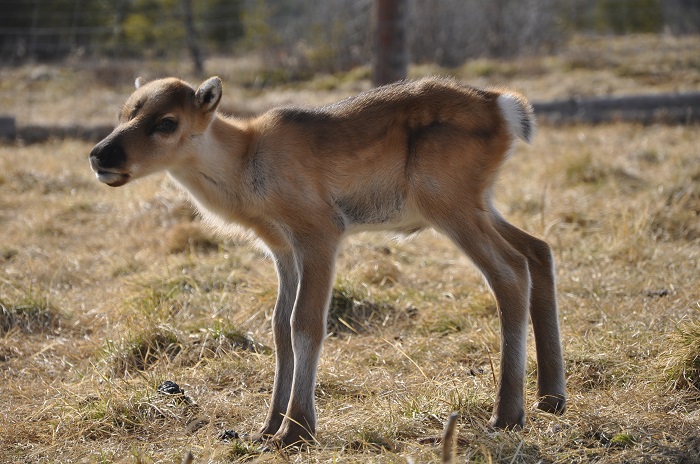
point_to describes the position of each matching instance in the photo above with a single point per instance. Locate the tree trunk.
(192, 37)
(390, 44)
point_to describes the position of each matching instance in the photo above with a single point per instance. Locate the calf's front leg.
(288, 278)
(315, 259)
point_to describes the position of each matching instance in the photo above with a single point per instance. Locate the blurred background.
(50, 49)
(319, 36)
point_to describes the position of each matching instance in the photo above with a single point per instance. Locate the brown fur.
(401, 157)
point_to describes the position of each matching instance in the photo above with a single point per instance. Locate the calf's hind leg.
(543, 312)
(506, 272)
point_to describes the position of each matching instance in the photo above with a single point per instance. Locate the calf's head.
(158, 126)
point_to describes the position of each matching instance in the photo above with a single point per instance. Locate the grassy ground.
(106, 293)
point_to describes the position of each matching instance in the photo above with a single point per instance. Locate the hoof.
(256, 437)
(553, 404)
(267, 431)
(292, 435)
(501, 423)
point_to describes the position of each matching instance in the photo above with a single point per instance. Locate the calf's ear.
(139, 82)
(208, 95)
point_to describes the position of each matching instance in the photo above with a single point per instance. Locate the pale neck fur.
(213, 170)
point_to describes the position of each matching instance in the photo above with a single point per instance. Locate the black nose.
(108, 154)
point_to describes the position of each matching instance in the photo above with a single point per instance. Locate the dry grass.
(106, 293)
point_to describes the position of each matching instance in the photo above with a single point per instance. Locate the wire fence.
(333, 34)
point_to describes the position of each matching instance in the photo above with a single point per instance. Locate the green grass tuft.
(29, 313)
(143, 349)
(683, 368)
(351, 311)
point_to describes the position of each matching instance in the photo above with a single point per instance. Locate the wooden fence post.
(8, 128)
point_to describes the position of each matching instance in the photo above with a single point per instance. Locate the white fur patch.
(518, 115)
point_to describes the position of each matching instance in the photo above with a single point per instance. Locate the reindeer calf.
(401, 157)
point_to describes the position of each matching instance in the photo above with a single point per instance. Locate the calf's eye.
(167, 125)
